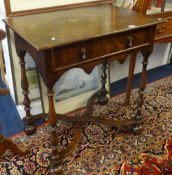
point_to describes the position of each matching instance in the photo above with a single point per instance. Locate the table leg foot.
(133, 128)
(7, 144)
(30, 130)
(136, 129)
(132, 64)
(102, 100)
(126, 102)
(138, 117)
(57, 157)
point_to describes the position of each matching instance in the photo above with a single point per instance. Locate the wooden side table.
(81, 37)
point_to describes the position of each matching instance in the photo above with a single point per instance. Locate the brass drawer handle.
(83, 51)
(161, 29)
(130, 41)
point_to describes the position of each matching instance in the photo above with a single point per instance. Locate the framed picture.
(31, 72)
(20, 7)
(73, 89)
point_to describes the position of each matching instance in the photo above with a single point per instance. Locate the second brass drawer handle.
(161, 29)
(84, 56)
(130, 41)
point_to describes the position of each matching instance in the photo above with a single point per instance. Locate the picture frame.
(24, 7)
(31, 73)
(129, 4)
(126, 3)
(78, 101)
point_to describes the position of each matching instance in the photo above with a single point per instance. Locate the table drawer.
(82, 52)
(164, 30)
(161, 28)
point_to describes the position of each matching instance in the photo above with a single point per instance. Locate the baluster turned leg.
(142, 87)
(102, 99)
(130, 77)
(55, 168)
(29, 128)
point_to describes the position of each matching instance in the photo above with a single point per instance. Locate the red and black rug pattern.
(103, 151)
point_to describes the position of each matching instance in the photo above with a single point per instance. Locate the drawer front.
(161, 28)
(82, 52)
(164, 30)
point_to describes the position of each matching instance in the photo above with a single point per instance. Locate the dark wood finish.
(50, 9)
(164, 31)
(103, 22)
(163, 35)
(54, 168)
(142, 87)
(82, 37)
(132, 64)
(25, 86)
(7, 144)
(102, 99)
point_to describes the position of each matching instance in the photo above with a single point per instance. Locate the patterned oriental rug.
(102, 151)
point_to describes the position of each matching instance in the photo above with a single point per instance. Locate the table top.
(58, 28)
